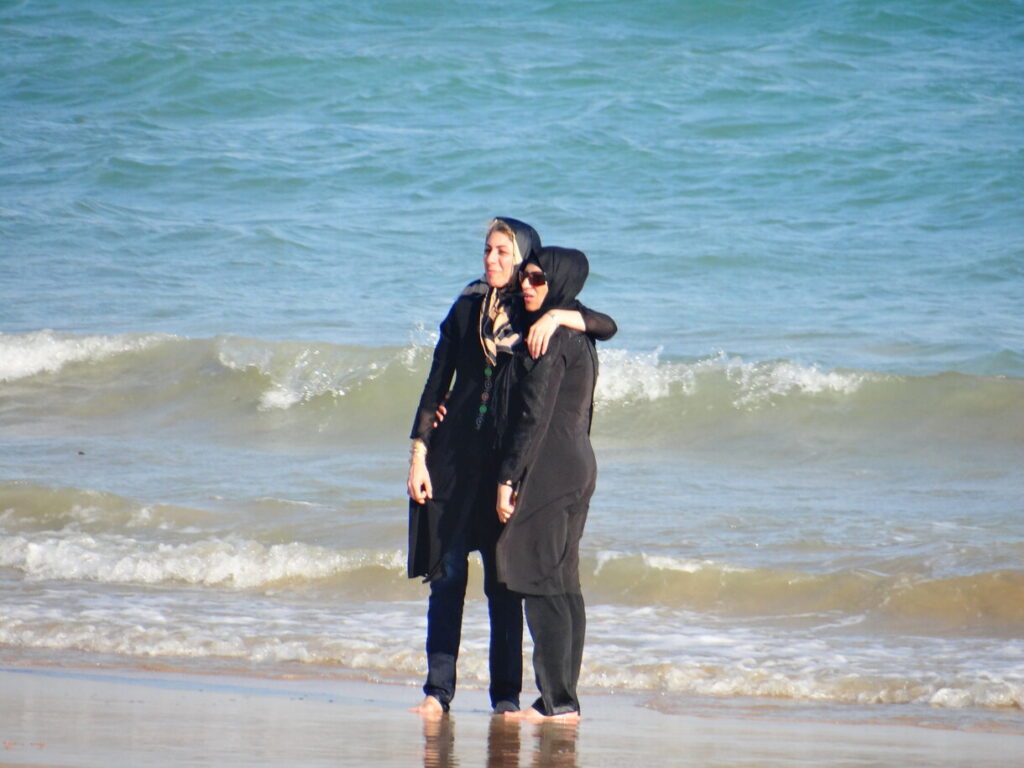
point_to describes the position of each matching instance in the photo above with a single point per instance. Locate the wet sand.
(77, 717)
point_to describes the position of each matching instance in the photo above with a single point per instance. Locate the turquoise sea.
(228, 233)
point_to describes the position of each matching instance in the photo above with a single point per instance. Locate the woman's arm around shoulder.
(597, 325)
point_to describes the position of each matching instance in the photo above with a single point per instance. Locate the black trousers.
(444, 630)
(558, 625)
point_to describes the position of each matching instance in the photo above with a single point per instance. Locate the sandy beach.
(79, 717)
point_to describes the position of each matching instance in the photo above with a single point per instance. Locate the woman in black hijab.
(453, 467)
(547, 475)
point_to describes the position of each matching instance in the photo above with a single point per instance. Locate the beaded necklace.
(485, 397)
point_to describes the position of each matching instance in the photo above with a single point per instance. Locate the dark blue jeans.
(444, 630)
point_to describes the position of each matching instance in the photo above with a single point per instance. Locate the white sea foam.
(994, 694)
(686, 652)
(45, 351)
(640, 649)
(301, 372)
(628, 377)
(759, 382)
(263, 632)
(665, 563)
(686, 565)
(235, 563)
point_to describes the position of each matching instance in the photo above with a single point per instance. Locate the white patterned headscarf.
(497, 332)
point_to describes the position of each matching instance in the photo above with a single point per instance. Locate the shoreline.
(62, 716)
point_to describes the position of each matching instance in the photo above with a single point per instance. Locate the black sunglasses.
(536, 279)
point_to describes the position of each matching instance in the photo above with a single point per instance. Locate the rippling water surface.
(228, 234)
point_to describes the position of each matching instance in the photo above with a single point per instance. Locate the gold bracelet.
(417, 451)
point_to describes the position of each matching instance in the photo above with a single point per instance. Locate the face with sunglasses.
(534, 285)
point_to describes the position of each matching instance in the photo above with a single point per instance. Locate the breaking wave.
(640, 396)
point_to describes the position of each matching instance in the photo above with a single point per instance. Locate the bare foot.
(534, 715)
(569, 718)
(430, 708)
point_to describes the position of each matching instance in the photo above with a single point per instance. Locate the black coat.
(545, 451)
(460, 456)
(549, 461)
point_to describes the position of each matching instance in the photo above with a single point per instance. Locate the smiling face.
(499, 259)
(533, 295)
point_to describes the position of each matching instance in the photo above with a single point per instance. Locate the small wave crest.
(227, 383)
(638, 649)
(25, 355)
(300, 372)
(990, 601)
(781, 406)
(26, 507)
(262, 632)
(627, 378)
(215, 562)
(770, 680)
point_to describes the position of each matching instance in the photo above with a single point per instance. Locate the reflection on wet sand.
(554, 744)
(503, 743)
(438, 742)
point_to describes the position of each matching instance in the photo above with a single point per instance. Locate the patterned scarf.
(497, 334)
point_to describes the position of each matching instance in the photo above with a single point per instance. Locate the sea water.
(228, 234)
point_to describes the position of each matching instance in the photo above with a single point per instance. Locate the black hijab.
(566, 270)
